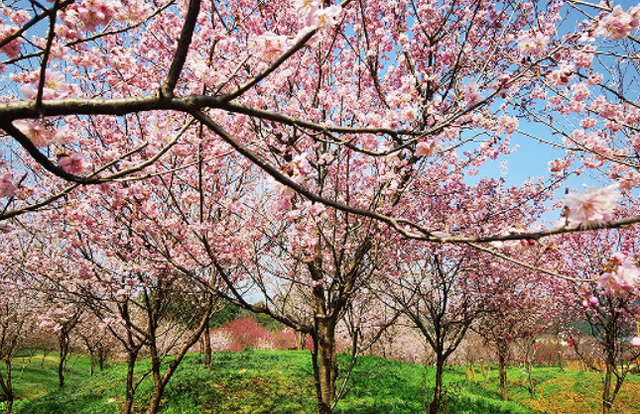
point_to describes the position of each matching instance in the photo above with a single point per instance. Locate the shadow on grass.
(65, 402)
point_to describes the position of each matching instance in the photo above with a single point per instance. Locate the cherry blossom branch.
(45, 57)
(528, 266)
(283, 179)
(153, 159)
(180, 54)
(40, 158)
(285, 56)
(599, 6)
(47, 13)
(122, 30)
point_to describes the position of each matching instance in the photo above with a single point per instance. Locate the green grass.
(281, 382)
(256, 382)
(35, 373)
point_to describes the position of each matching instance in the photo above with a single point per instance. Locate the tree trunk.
(128, 404)
(207, 348)
(102, 355)
(532, 385)
(606, 391)
(325, 364)
(64, 352)
(7, 387)
(158, 383)
(300, 340)
(92, 365)
(437, 391)
(503, 350)
(161, 381)
(154, 403)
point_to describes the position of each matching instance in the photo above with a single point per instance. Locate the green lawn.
(281, 382)
(35, 373)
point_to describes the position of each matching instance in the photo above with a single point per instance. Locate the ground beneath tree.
(567, 396)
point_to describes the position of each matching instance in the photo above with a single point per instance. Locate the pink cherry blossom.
(13, 48)
(635, 342)
(37, 133)
(625, 279)
(472, 95)
(89, 14)
(429, 147)
(323, 18)
(561, 76)
(55, 87)
(301, 164)
(592, 207)
(74, 163)
(507, 124)
(269, 45)
(532, 45)
(7, 188)
(619, 24)
(306, 10)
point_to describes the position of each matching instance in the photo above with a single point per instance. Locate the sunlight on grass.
(281, 382)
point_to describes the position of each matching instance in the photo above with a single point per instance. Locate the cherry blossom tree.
(122, 284)
(277, 82)
(513, 304)
(62, 319)
(18, 323)
(97, 341)
(434, 294)
(207, 138)
(330, 271)
(607, 310)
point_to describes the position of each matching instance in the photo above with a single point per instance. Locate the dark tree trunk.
(607, 401)
(64, 352)
(158, 383)
(131, 364)
(325, 364)
(161, 381)
(532, 385)
(503, 350)
(7, 386)
(92, 367)
(610, 365)
(207, 348)
(437, 391)
(102, 356)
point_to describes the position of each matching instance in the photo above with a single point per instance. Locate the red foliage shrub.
(284, 339)
(247, 333)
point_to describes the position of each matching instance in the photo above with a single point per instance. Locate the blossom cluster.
(594, 206)
(429, 147)
(55, 87)
(532, 45)
(269, 45)
(623, 279)
(74, 163)
(89, 14)
(618, 24)
(39, 135)
(7, 188)
(314, 16)
(13, 48)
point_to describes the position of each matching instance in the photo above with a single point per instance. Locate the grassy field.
(36, 373)
(281, 382)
